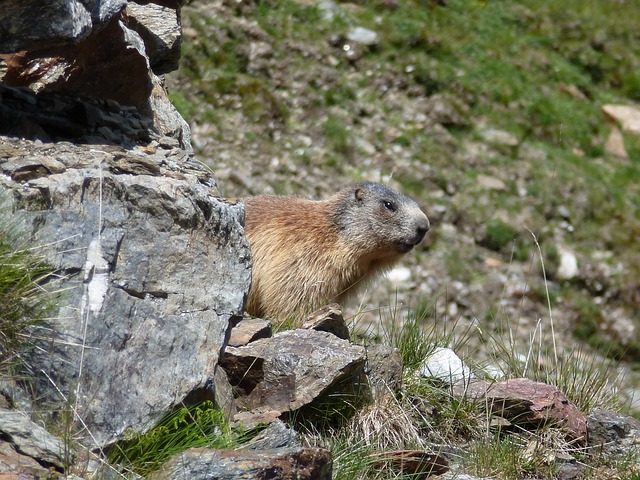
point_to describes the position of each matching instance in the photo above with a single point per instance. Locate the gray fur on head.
(373, 214)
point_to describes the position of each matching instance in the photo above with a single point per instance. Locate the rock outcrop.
(106, 49)
(152, 266)
(29, 444)
(288, 371)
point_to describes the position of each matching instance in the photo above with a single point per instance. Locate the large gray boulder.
(152, 267)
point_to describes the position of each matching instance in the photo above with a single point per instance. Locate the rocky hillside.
(504, 347)
(502, 119)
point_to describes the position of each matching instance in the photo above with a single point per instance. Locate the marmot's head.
(378, 220)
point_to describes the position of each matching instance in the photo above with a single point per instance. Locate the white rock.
(568, 267)
(500, 137)
(363, 36)
(444, 364)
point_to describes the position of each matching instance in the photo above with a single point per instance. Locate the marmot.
(307, 253)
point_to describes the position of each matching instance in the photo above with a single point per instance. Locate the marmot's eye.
(389, 205)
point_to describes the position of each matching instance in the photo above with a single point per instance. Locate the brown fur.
(303, 260)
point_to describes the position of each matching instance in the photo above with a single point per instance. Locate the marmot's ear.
(359, 193)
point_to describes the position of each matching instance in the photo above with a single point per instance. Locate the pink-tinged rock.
(528, 403)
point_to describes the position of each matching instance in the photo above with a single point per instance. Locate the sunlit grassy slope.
(539, 71)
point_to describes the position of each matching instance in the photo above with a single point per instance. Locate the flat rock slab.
(525, 402)
(627, 116)
(291, 369)
(249, 330)
(283, 463)
(31, 439)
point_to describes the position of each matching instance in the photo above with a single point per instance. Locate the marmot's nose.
(421, 230)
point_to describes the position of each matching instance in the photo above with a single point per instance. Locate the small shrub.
(499, 235)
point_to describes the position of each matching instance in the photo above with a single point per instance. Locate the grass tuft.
(24, 302)
(201, 425)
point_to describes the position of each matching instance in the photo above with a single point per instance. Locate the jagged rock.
(31, 439)
(328, 319)
(277, 435)
(291, 369)
(283, 463)
(32, 24)
(527, 403)
(444, 364)
(16, 466)
(612, 433)
(107, 63)
(58, 116)
(159, 27)
(153, 268)
(225, 400)
(249, 330)
(384, 367)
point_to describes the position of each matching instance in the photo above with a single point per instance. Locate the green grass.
(195, 426)
(24, 301)
(425, 413)
(338, 137)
